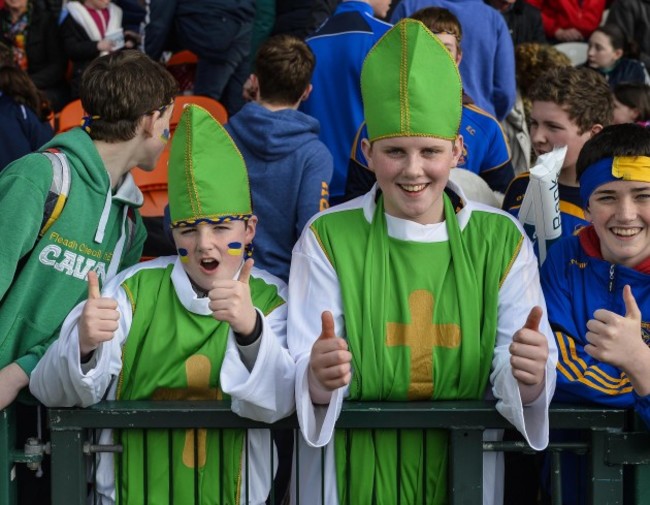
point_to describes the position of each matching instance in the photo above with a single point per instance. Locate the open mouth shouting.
(209, 265)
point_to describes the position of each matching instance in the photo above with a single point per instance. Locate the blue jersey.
(340, 46)
(571, 212)
(575, 285)
(485, 148)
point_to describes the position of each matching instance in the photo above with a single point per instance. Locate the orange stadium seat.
(213, 106)
(184, 57)
(70, 116)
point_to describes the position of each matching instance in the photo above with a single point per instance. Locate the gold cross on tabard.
(197, 370)
(421, 335)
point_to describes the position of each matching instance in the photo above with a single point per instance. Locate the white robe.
(314, 288)
(262, 394)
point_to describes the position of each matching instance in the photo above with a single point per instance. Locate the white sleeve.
(60, 380)
(520, 291)
(265, 392)
(313, 288)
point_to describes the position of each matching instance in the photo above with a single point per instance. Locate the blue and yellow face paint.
(183, 254)
(165, 135)
(235, 249)
(618, 168)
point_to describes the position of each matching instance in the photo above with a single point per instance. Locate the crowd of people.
(350, 233)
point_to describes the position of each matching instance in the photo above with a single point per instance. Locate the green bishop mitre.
(410, 85)
(208, 181)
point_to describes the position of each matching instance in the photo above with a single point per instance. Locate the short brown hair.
(440, 20)
(284, 65)
(119, 88)
(583, 93)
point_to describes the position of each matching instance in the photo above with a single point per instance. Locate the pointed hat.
(208, 181)
(410, 85)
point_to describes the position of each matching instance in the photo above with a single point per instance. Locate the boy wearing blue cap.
(597, 283)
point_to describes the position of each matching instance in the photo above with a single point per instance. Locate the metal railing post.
(68, 467)
(7, 464)
(606, 479)
(466, 466)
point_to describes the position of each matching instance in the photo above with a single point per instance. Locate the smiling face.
(412, 173)
(601, 53)
(213, 251)
(620, 213)
(550, 126)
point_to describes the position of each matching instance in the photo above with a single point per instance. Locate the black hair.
(616, 140)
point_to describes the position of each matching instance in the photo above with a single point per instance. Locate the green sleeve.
(23, 190)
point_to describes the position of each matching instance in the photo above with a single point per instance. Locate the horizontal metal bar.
(217, 414)
(628, 449)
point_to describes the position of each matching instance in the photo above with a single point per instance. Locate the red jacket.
(585, 16)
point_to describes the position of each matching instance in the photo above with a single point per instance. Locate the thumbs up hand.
(230, 301)
(329, 363)
(528, 356)
(616, 339)
(99, 318)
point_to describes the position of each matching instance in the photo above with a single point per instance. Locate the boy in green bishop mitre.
(203, 324)
(412, 292)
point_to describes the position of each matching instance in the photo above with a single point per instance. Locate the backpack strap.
(59, 189)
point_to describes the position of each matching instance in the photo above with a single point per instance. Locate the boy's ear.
(307, 92)
(251, 226)
(459, 56)
(457, 149)
(618, 53)
(147, 123)
(597, 128)
(366, 148)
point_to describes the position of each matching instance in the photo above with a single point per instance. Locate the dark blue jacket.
(21, 131)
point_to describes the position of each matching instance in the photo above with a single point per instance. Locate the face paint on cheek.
(235, 249)
(165, 135)
(183, 255)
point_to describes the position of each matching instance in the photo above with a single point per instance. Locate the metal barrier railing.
(607, 445)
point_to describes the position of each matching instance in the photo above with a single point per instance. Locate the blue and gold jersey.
(575, 285)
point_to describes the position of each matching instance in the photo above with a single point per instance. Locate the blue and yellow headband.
(618, 168)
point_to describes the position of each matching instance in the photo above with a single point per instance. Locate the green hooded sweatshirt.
(42, 280)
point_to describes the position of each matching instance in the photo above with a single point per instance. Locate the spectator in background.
(33, 35)
(608, 48)
(569, 20)
(24, 126)
(632, 103)
(488, 68)
(532, 59)
(91, 28)
(217, 31)
(569, 106)
(524, 21)
(302, 17)
(633, 17)
(340, 46)
(288, 166)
